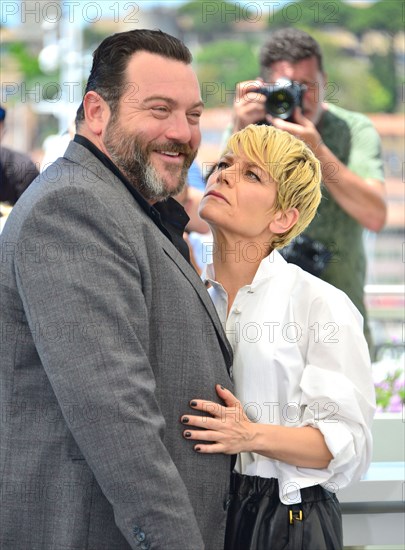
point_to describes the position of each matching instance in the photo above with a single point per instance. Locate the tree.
(386, 16)
(383, 15)
(31, 73)
(208, 18)
(221, 65)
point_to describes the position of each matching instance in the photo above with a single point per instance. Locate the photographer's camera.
(282, 98)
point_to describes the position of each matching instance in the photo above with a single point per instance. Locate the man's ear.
(283, 221)
(97, 112)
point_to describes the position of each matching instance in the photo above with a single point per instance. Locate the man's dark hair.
(291, 45)
(110, 60)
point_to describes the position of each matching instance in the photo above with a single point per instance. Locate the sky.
(16, 12)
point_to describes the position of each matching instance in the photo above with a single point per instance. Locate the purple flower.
(395, 404)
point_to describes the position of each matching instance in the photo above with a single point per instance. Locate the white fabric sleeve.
(338, 392)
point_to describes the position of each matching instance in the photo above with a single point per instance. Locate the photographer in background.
(347, 146)
(17, 170)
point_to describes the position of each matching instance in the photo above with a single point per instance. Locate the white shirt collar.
(269, 267)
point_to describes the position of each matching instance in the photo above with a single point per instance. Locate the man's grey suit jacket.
(107, 333)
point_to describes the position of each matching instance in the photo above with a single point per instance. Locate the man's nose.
(179, 130)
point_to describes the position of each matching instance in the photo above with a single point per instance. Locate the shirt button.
(140, 536)
(237, 311)
(145, 546)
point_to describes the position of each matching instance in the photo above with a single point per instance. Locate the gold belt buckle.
(295, 515)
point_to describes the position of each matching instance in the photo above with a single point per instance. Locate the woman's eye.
(222, 165)
(252, 175)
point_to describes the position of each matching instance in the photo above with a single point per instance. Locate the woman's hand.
(228, 430)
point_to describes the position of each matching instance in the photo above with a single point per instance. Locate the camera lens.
(280, 103)
(282, 98)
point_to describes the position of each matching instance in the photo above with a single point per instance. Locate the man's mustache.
(170, 147)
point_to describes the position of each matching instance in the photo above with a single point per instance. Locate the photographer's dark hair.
(291, 45)
(110, 60)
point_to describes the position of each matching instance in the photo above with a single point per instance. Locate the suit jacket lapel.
(190, 274)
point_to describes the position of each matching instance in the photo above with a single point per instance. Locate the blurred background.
(46, 54)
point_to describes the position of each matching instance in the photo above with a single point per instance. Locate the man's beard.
(133, 159)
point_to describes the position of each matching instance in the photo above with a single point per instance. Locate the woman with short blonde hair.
(300, 419)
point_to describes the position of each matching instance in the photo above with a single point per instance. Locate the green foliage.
(31, 73)
(352, 83)
(221, 65)
(310, 13)
(390, 393)
(383, 68)
(383, 397)
(384, 15)
(27, 63)
(356, 88)
(92, 37)
(208, 17)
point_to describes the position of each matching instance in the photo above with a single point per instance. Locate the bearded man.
(107, 329)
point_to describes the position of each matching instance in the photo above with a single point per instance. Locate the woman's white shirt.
(300, 358)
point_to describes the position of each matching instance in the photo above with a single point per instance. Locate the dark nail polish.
(222, 387)
(187, 434)
(197, 449)
(193, 403)
(185, 420)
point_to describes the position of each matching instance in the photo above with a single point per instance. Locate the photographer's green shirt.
(354, 141)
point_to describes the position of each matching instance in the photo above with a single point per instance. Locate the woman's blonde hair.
(292, 166)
